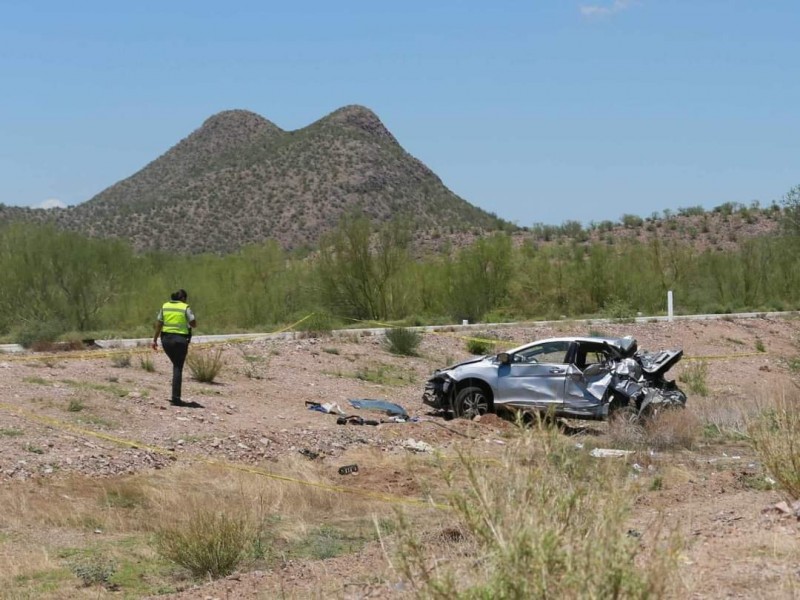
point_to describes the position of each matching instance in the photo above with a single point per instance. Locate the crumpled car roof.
(625, 345)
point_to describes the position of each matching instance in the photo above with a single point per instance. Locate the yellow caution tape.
(726, 356)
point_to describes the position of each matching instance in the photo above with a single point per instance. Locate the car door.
(585, 386)
(534, 378)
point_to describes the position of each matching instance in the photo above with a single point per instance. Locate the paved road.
(134, 343)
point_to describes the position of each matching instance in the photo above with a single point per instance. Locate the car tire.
(471, 402)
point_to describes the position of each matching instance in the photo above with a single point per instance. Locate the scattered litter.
(390, 408)
(347, 469)
(355, 420)
(327, 407)
(637, 467)
(309, 454)
(609, 453)
(579, 446)
(416, 446)
(397, 419)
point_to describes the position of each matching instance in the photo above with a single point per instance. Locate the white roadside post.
(669, 305)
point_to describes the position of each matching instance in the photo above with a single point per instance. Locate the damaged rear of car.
(582, 377)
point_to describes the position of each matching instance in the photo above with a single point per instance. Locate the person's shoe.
(177, 403)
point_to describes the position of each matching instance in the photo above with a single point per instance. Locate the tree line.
(55, 282)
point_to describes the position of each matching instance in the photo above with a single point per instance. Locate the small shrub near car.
(480, 347)
(403, 341)
(695, 376)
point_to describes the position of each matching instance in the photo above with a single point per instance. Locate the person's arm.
(157, 333)
(159, 325)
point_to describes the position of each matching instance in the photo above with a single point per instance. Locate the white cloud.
(596, 10)
(52, 203)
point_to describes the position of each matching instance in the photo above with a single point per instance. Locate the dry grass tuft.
(675, 429)
(775, 435)
(207, 542)
(549, 522)
(672, 430)
(205, 365)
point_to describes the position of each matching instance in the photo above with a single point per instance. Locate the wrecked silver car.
(578, 377)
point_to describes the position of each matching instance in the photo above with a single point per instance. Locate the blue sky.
(540, 111)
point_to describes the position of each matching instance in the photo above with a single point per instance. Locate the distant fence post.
(669, 305)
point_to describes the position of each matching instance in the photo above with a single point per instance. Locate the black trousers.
(176, 346)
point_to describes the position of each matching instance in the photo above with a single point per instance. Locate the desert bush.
(695, 376)
(39, 334)
(146, 363)
(775, 435)
(548, 522)
(205, 365)
(94, 569)
(625, 430)
(208, 544)
(121, 361)
(618, 308)
(479, 346)
(674, 429)
(403, 341)
(75, 405)
(317, 325)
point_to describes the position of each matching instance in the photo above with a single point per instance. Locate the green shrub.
(205, 365)
(94, 569)
(479, 346)
(39, 334)
(403, 341)
(695, 376)
(317, 325)
(617, 308)
(75, 405)
(760, 345)
(208, 544)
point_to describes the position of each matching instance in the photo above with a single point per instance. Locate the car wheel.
(471, 402)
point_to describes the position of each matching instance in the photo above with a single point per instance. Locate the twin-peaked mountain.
(240, 179)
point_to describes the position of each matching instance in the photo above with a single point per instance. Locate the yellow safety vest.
(175, 319)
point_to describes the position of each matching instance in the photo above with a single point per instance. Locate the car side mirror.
(504, 358)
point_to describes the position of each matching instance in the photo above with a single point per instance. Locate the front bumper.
(438, 392)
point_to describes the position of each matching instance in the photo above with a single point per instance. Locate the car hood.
(471, 361)
(659, 363)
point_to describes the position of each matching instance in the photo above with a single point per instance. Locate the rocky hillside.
(240, 179)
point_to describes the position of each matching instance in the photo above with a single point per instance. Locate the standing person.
(174, 323)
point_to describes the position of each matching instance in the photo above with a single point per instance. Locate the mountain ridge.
(240, 179)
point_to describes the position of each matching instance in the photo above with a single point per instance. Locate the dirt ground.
(83, 413)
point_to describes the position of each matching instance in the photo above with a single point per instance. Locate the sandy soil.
(256, 414)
